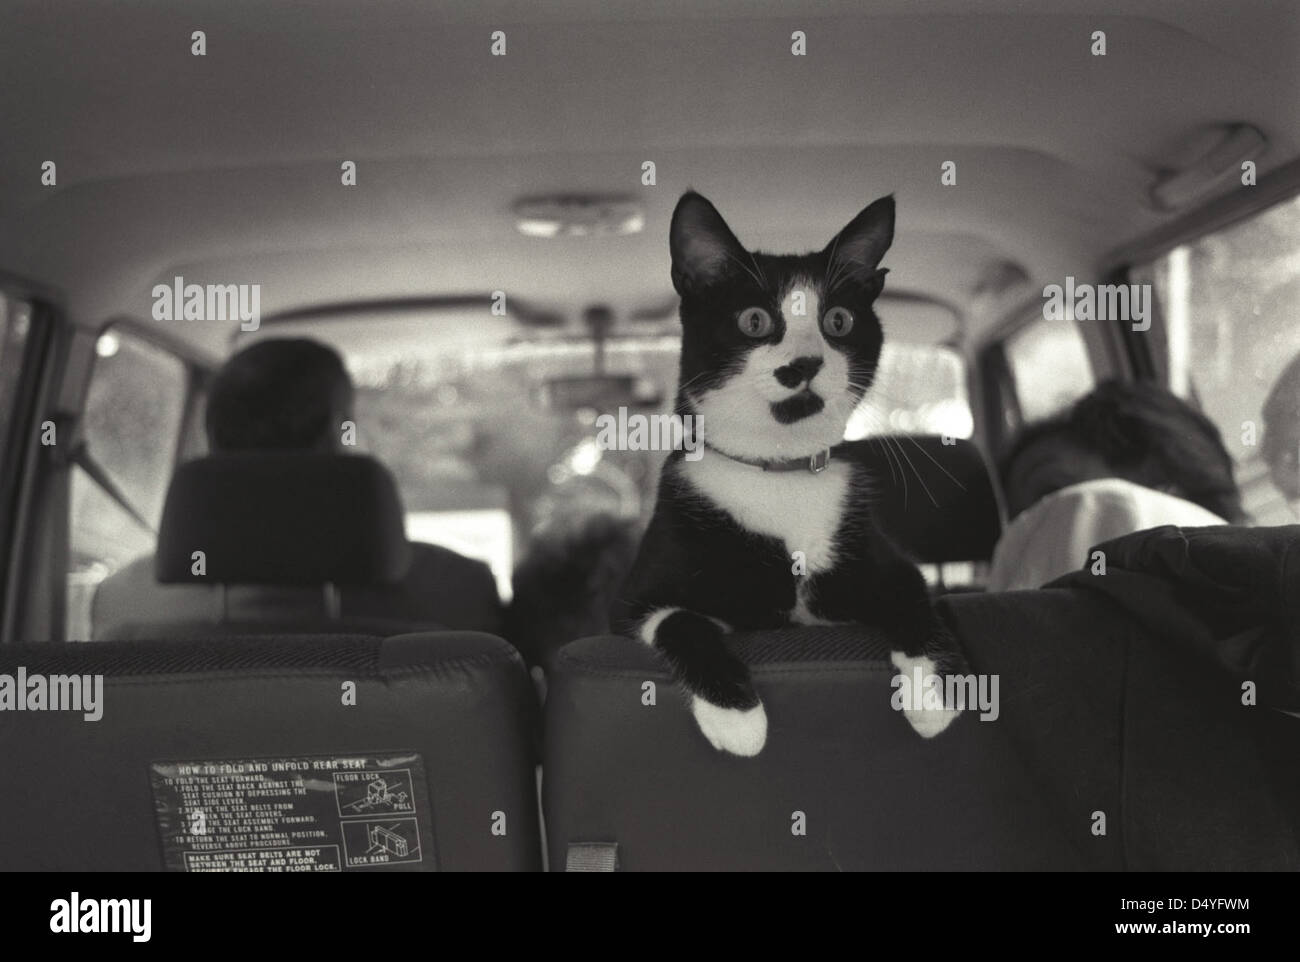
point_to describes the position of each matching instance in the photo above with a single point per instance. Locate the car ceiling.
(225, 168)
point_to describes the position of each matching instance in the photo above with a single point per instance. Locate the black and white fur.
(719, 552)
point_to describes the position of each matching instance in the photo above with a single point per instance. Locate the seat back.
(935, 497)
(411, 753)
(282, 519)
(842, 784)
(265, 543)
(1094, 718)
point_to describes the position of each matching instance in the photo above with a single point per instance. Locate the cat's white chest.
(802, 509)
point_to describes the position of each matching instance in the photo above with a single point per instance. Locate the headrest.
(935, 498)
(282, 519)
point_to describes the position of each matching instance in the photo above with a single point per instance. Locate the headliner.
(226, 168)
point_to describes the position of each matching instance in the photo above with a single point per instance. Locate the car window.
(1228, 306)
(1050, 367)
(132, 419)
(918, 389)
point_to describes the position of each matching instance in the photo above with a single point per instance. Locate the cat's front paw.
(920, 693)
(740, 731)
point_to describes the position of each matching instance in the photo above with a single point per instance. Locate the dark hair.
(1148, 435)
(282, 394)
(1029, 435)
(566, 584)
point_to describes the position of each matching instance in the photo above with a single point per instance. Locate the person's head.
(1044, 457)
(1280, 445)
(1137, 431)
(279, 395)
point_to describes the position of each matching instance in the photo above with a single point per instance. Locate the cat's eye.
(755, 322)
(838, 321)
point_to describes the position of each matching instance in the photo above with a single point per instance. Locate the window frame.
(1116, 350)
(35, 522)
(196, 370)
(997, 381)
(22, 488)
(1282, 187)
(1224, 211)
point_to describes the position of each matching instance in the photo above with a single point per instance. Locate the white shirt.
(1052, 537)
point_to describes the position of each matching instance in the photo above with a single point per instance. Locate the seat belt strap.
(82, 458)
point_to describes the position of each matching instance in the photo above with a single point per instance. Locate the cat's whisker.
(902, 472)
(924, 487)
(890, 461)
(936, 463)
(891, 442)
(684, 388)
(872, 414)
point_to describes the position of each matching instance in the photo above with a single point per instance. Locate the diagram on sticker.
(381, 842)
(374, 793)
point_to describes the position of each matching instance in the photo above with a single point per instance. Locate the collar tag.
(818, 462)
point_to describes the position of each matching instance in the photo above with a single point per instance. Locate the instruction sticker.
(307, 813)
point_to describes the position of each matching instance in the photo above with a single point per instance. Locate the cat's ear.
(704, 250)
(858, 248)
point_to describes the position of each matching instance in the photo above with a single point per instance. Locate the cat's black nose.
(798, 371)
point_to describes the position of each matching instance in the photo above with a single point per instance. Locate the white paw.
(740, 731)
(915, 698)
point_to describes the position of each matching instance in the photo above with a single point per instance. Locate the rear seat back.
(1086, 725)
(302, 543)
(842, 784)
(1113, 720)
(414, 752)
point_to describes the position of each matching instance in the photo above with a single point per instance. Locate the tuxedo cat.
(777, 351)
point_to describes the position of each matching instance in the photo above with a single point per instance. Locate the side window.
(1230, 336)
(1049, 366)
(131, 424)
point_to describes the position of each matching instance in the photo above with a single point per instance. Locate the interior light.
(108, 345)
(585, 457)
(579, 215)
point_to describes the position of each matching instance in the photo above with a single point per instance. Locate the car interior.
(469, 203)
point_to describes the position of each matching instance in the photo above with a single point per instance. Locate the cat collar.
(814, 464)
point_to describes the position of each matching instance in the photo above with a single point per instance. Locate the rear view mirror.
(602, 392)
